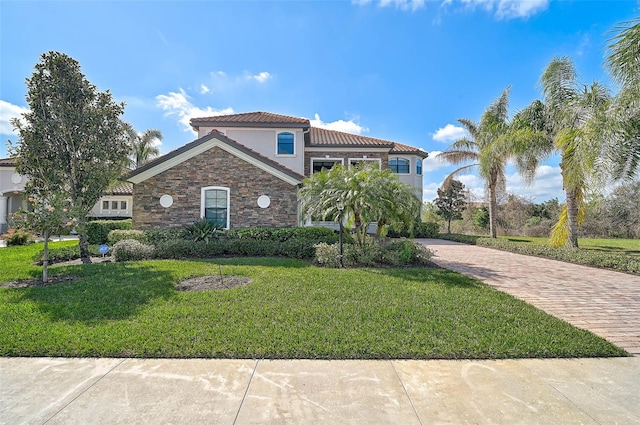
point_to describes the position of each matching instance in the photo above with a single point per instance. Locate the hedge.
(98, 230)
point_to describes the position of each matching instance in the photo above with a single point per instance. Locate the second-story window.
(399, 165)
(285, 143)
(418, 166)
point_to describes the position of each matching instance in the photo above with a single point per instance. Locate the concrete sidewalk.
(604, 302)
(109, 391)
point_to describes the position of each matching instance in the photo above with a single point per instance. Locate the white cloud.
(471, 182)
(411, 5)
(507, 9)
(449, 133)
(339, 125)
(546, 185)
(7, 112)
(261, 77)
(178, 104)
(433, 163)
(204, 89)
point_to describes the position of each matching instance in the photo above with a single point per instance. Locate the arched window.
(215, 205)
(285, 143)
(399, 165)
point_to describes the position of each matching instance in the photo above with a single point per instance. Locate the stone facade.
(215, 167)
(383, 156)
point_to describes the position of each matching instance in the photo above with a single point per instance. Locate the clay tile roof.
(7, 162)
(324, 137)
(400, 148)
(251, 118)
(120, 188)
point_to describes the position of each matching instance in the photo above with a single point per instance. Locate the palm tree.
(143, 147)
(624, 125)
(483, 151)
(364, 193)
(574, 114)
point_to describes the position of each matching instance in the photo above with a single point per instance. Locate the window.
(215, 205)
(123, 205)
(418, 166)
(114, 205)
(318, 165)
(105, 205)
(357, 161)
(285, 143)
(399, 165)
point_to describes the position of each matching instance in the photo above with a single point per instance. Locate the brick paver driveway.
(605, 302)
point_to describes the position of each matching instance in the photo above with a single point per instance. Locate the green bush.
(373, 252)
(297, 247)
(327, 255)
(252, 247)
(160, 236)
(98, 230)
(17, 237)
(282, 234)
(456, 237)
(58, 255)
(182, 248)
(619, 262)
(116, 236)
(63, 253)
(132, 250)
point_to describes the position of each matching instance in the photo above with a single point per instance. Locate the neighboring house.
(116, 202)
(244, 170)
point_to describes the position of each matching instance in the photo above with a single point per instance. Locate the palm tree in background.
(143, 146)
(623, 62)
(483, 151)
(575, 115)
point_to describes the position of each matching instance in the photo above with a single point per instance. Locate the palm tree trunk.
(572, 218)
(493, 207)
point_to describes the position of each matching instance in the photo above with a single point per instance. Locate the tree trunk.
(85, 255)
(449, 225)
(572, 218)
(45, 258)
(493, 207)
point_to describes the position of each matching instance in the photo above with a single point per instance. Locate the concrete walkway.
(124, 391)
(604, 302)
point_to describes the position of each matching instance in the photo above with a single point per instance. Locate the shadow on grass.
(613, 249)
(102, 292)
(428, 275)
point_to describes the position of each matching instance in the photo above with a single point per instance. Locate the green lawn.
(290, 310)
(623, 246)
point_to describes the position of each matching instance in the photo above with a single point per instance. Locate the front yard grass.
(290, 310)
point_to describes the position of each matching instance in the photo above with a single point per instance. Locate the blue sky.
(397, 70)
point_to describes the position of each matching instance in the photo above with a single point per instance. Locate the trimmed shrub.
(98, 230)
(252, 247)
(132, 250)
(327, 255)
(116, 236)
(404, 252)
(181, 248)
(17, 237)
(456, 237)
(297, 247)
(282, 234)
(587, 257)
(160, 236)
(58, 255)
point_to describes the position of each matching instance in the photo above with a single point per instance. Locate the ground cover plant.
(615, 254)
(286, 309)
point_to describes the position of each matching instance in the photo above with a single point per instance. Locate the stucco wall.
(214, 167)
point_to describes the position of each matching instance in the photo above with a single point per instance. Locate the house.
(114, 203)
(244, 170)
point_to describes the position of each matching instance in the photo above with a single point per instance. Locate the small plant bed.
(211, 282)
(290, 310)
(622, 259)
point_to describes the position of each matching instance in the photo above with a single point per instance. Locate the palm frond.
(623, 59)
